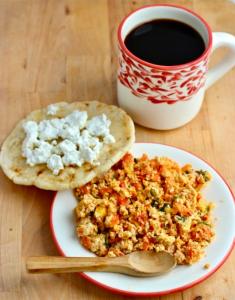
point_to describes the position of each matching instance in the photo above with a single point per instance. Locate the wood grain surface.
(53, 50)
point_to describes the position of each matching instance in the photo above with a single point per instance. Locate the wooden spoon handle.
(58, 264)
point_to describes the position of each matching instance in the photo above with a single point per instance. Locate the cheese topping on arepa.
(72, 140)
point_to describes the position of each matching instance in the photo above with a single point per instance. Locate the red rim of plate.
(146, 294)
(162, 67)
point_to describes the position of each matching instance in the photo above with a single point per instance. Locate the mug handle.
(221, 39)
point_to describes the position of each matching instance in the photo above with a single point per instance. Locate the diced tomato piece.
(193, 235)
(198, 197)
(122, 184)
(181, 209)
(86, 242)
(144, 216)
(115, 240)
(155, 177)
(154, 163)
(152, 240)
(128, 158)
(118, 165)
(146, 243)
(80, 231)
(186, 168)
(145, 246)
(205, 217)
(190, 252)
(106, 190)
(121, 201)
(141, 219)
(137, 186)
(115, 220)
(144, 157)
(85, 189)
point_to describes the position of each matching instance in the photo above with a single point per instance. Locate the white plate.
(182, 277)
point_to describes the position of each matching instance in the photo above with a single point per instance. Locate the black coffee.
(165, 42)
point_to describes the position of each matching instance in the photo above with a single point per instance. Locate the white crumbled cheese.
(55, 164)
(86, 140)
(109, 139)
(46, 131)
(97, 148)
(26, 150)
(73, 140)
(88, 155)
(67, 146)
(57, 123)
(52, 109)
(71, 133)
(28, 145)
(99, 125)
(41, 154)
(77, 118)
(73, 158)
(31, 129)
(56, 150)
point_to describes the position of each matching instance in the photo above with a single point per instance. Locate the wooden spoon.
(140, 263)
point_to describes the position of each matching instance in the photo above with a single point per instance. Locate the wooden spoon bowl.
(140, 263)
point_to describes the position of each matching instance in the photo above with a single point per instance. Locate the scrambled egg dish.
(146, 204)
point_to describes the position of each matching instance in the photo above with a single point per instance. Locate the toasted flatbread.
(15, 167)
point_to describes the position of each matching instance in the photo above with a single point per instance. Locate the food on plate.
(66, 144)
(206, 266)
(146, 204)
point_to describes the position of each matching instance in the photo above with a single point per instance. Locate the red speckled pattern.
(162, 86)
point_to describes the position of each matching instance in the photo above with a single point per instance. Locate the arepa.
(15, 167)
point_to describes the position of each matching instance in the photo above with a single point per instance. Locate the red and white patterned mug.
(167, 97)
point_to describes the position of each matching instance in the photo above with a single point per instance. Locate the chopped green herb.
(155, 203)
(106, 240)
(205, 223)
(204, 174)
(180, 218)
(200, 172)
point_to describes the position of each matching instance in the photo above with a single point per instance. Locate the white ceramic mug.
(167, 97)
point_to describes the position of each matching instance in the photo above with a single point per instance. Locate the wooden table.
(51, 50)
